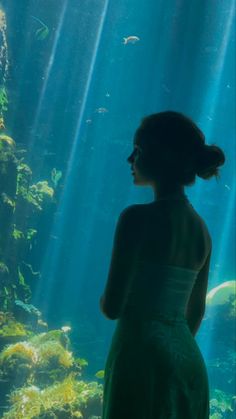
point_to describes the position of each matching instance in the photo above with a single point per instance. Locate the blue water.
(76, 94)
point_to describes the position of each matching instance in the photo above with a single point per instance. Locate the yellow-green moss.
(55, 350)
(45, 354)
(70, 394)
(10, 327)
(21, 349)
(6, 141)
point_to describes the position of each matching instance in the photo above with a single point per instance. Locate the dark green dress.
(154, 368)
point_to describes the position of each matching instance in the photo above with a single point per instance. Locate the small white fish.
(228, 86)
(66, 329)
(209, 117)
(131, 40)
(101, 110)
(227, 186)
(88, 121)
(108, 94)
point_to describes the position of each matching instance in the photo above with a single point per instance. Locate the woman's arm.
(113, 298)
(197, 301)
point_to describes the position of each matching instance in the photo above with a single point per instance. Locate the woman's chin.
(136, 180)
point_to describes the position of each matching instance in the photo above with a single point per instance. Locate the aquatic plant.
(19, 349)
(222, 294)
(30, 233)
(3, 268)
(222, 404)
(17, 234)
(69, 396)
(47, 374)
(3, 98)
(47, 357)
(53, 351)
(42, 32)
(35, 194)
(8, 201)
(29, 308)
(10, 327)
(4, 62)
(24, 175)
(6, 142)
(13, 328)
(40, 193)
(20, 204)
(4, 66)
(55, 176)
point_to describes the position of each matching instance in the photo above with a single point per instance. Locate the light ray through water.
(52, 254)
(47, 74)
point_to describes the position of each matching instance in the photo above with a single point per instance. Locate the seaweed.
(222, 405)
(46, 379)
(70, 397)
(39, 375)
(10, 327)
(21, 202)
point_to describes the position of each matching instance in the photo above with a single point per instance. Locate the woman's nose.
(130, 158)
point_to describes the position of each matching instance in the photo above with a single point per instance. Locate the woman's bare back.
(173, 233)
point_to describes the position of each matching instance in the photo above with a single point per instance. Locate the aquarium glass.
(76, 78)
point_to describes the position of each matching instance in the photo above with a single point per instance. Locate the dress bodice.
(161, 289)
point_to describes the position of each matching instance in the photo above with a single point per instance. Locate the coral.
(24, 349)
(222, 404)
(9, 325)
(221, 294)
(29, 308)
(38, 194)
(70, 396)
(44, 189)
(51, 336)
(46, 355)
(6, 142)
(24, 175)
(13, 328)
(27, 313)
(46, 375)
(54, 350)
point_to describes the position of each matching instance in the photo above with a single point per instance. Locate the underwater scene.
(76, 78)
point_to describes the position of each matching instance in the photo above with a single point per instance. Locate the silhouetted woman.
(158, 279)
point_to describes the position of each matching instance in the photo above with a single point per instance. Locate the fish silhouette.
(42, 32)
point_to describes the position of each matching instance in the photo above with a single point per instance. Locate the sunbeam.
(50, 262)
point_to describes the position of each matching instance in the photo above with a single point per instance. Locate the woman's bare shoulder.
(134, 210)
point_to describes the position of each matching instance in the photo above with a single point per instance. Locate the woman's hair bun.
(210, 158)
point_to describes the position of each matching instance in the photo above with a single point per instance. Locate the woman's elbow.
(107, 311)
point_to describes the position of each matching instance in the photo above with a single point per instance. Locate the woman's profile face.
(138, 160)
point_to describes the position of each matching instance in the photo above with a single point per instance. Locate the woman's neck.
(168, 192)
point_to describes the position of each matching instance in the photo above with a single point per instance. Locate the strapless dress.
(154, 368)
